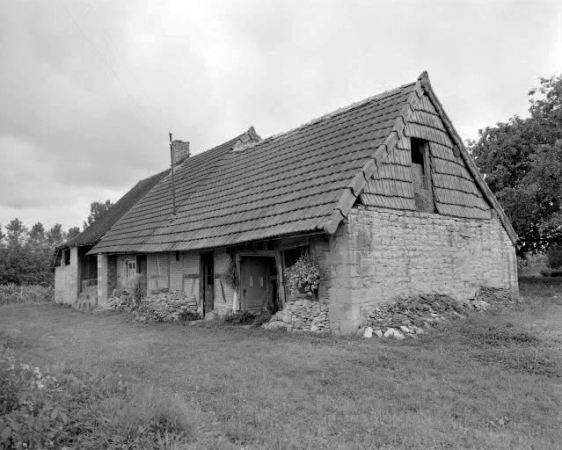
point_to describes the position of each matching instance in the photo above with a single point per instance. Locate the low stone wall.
(302, 314)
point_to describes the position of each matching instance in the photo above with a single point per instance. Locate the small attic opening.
(421, 175)
(418, 156)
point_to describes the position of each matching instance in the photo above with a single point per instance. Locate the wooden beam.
(280, 278)
(258, 253)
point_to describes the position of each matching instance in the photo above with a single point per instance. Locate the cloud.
(91, 89)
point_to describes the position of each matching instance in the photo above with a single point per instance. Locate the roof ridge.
(337, 112)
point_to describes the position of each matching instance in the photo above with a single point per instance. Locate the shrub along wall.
(12, 293)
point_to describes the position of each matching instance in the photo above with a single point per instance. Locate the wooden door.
(142, 270)
(208, 282)
(254, 283)
(131, 270)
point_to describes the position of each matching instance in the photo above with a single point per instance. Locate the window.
(58, 259)
(419, 169)
(421, 175)
(291, 256)
(67, 257)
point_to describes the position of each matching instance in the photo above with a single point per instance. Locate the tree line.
(521, 160)
(26, 253)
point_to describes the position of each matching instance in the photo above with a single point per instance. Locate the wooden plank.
(190, 276)
(280, 278)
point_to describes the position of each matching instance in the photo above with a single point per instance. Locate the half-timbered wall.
(224, 294)
(190, 285)
(157, 271)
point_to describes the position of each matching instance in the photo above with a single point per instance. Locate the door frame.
(265, 255)
(206, 260)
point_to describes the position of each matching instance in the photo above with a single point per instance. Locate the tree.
(97, 210)
(37, 234)
(72, 233)
(17, 233)
(522, 163)
(25, 256)
(56, 235)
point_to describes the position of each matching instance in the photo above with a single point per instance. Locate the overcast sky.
(90, 89)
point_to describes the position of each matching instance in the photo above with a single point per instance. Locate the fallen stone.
(394, 333)
(378, 332)
(389, 332)
(405, 329)
(368, 333)
(298, 324)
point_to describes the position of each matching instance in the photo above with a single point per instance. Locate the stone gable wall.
(382, 254)
(66, 279)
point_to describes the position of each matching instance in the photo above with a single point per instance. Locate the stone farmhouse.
(382, 195)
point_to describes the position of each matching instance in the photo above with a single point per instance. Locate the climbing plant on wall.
(303, 276)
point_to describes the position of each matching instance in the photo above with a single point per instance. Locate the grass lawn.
(489, 382)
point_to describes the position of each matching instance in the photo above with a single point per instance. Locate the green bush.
(28, 414)
(85, 411)
(13, 293)
(303, 276)
(554, 255)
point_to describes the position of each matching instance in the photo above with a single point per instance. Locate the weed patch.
(489, 381)
(534, 361)
(509, 347)
(498, 336)
(79, 410)
(13, 293)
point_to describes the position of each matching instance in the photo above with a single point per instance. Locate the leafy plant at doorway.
(303, 277)
(230, 275)
(135, 287)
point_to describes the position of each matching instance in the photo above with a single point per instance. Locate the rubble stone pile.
(120, 300)
(161, 306)
(412, 316)
(302, 314)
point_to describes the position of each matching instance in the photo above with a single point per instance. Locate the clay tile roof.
(95, 232)
(154, 211)
(289, 183)
(301, 181)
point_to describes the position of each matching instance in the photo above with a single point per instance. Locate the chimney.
(180, 151)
